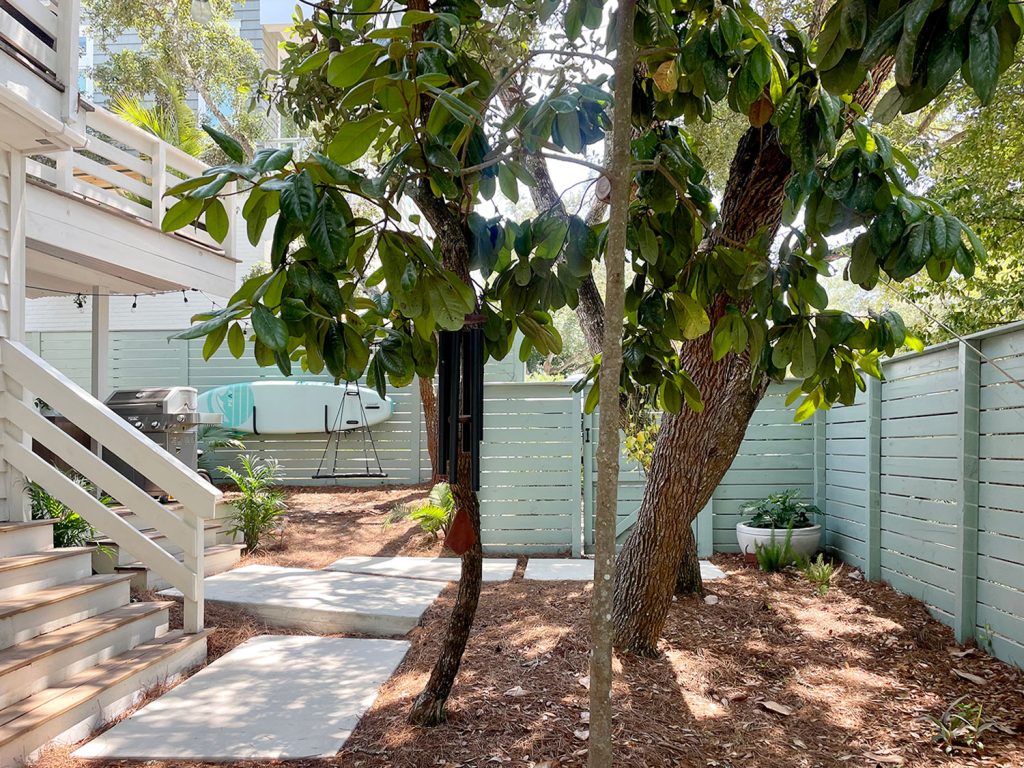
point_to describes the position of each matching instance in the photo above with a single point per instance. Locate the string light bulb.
(135, 302)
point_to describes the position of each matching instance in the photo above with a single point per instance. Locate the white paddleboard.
(295, 407)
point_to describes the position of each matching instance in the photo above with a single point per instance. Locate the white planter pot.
(804, 541)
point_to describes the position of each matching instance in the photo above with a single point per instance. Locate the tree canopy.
(179, 54)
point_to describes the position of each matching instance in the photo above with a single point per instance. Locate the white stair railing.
(26, 372)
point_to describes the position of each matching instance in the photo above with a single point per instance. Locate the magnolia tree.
(440, 107)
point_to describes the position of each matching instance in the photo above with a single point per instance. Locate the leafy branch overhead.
(408, 108)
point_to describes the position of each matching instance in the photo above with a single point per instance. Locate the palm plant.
(171, 119)
(260, 504)
(216, 437)
(70, 528)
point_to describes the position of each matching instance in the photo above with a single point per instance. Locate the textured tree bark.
(428, 399)
(688, 580)
(620, 177)
(429, 707)
(694, 450)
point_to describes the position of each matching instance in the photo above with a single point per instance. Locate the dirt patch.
(772, 674)
(324, 524)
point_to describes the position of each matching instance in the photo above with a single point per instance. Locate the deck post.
(820, 434)
(968, 424)
(873, 566)
(193, 615)
(100, 364)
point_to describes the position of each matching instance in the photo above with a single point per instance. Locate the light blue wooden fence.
(921, 480)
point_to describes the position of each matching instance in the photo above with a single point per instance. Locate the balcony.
(94, 217)
(39, 74)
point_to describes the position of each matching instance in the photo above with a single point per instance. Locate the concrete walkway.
(554, 569)
(271, 698)
(429, 568)
(324, 601)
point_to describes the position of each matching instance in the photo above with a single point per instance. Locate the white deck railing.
(128, 169)
(44, 34)
(24, 372)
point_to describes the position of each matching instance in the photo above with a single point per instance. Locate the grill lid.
(154, 400)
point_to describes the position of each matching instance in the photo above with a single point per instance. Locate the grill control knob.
(154, 424)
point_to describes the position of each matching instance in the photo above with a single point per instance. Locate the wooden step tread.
(6, 527)
(214, 549)
(31, 713)
(13, 562)
(123, 511)
(39, 647)
(15, 605)
(153, 533)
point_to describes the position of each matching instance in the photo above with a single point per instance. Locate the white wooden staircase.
(74, 651)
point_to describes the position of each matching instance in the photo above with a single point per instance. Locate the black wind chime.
(460, 400)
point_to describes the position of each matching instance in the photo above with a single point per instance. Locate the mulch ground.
(769, 674)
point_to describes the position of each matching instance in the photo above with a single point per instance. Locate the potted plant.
(775, 515)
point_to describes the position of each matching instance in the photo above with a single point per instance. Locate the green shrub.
(434, 515)
(960, 727)
(70, 528)
(214, 437)
(780, 510)
(819, 572)
(774, 557)
(260, 505)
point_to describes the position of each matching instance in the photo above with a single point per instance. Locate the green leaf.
(508, 183)
(721, 339)
(580, 247)
(236, 341)
(329, 236)
(804, 361)
(298, 198)
(214, 340)
(269, 328)
(569, 130)
(270, 160)
(217, 223)
(181, 213)
(228, 145)
(958, 11)
(354, 138)
(984, 56)
(211, 188)
(347, 66)
(945, 236)
(695, 320)
(853, 23)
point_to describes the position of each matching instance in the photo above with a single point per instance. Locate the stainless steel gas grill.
(168, 416)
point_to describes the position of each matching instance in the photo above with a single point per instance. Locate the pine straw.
(857, 669)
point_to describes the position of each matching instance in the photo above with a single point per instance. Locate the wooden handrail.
(198, 497)
(101, 517)
(25, 371)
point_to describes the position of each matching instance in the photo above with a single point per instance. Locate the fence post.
(588, 437)
(873, 566)
(968, 423)
(581, 455)
(820, 435)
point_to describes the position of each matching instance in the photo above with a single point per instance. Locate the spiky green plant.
(960, 727)
(260, 504)
(215, 437)
(171, 120)
(434, 515)
(819, 572)
(70, 528)
(774, 557)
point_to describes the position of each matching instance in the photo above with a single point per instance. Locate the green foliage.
(774, 556)
(961, 727)
(70, 528)
(780, 510)
(215, 437)
(179, 54)
(258, 509)
(641, 435)
(819, 572)
(435, 516)
(170, 119)
(407, 109)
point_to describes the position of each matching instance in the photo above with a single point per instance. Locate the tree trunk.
(704, 443)
(429, 707)
(688, 580)
(428, 398)
(620, 177)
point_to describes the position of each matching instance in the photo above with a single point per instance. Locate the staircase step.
(32, 571)
(216, 559)
(110, 554)
(46, 610)
(30, 536)
(46, 660)
(71, 710)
